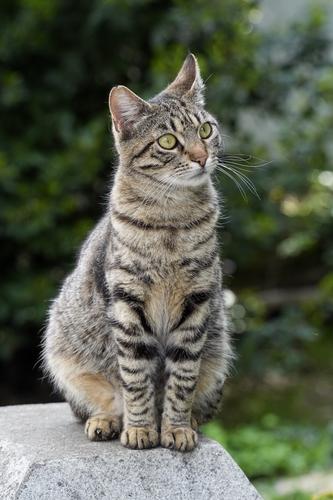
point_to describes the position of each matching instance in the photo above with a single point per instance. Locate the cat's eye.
(205, 130)
(167, 141)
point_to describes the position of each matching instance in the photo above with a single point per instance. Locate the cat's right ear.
(126, 108)
(188, 83)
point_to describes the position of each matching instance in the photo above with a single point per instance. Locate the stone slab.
(44, 455)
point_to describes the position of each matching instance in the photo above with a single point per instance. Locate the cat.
(137, 340)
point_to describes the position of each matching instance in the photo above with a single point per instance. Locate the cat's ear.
(188, 82)
(126, 108)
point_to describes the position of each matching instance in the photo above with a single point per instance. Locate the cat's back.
(82, 294)
(78, 325)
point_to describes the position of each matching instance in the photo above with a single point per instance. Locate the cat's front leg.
(137, 358)
(183, 357)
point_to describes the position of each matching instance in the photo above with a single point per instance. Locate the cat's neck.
(147, 199)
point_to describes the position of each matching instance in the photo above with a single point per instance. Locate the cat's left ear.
(126, 108)
(188, 83)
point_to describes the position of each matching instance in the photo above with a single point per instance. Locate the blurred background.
(269, 73)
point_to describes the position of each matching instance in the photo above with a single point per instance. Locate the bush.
(272, 448)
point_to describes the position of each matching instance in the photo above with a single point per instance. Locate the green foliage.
(272, 447)
(296, 495)
(269, 493)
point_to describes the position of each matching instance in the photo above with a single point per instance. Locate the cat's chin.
(194, 180)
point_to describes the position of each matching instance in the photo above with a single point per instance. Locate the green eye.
(167, 141)
(205, 130)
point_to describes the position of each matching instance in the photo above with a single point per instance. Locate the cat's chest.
(164, 302)
(166, 298)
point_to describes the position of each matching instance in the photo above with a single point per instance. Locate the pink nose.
(199, 156)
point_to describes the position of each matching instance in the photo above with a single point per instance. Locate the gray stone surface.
(44, 455)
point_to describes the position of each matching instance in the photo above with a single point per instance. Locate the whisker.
(208, 77)
(239, 186)
(245, 180)
(244, 160)
(237, 167)
(248, 183)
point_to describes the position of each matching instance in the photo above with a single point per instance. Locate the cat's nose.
(199, 155)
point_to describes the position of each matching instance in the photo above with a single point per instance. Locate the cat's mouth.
(194, 175)
(199, 174)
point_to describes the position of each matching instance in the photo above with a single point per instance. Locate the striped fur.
(137, 338)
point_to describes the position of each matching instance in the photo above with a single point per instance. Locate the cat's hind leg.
(92, 397)
(105, 420)
(208, 392)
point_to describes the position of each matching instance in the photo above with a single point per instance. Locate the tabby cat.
(137, 340)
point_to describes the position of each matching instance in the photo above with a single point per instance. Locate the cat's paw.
(139, 438)
(179, 438)
(102, 427)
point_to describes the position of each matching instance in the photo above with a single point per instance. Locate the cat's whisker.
(244, 160)
(239, 173)
(237, 167)
(243, 165)
(244, 179)
(248, 183)
(240, 188)
(237, 182)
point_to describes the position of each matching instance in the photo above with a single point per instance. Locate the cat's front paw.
(179, 438)
(139, 438)
(102, 427)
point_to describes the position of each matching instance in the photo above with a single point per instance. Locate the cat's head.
(170, 137)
